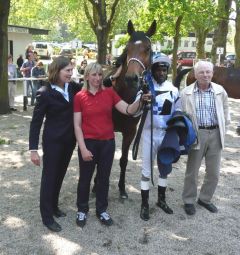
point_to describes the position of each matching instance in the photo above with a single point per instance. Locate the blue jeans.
(35, 87)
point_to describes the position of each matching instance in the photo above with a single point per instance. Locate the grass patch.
(3, 141)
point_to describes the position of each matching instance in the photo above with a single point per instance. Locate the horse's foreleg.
(126, 142)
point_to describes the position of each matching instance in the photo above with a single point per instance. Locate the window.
(169, 44)
(186, 43)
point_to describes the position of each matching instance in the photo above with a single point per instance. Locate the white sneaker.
(105, 218)
(81, 219)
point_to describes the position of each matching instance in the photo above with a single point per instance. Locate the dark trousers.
(56, 157)
(103, 153)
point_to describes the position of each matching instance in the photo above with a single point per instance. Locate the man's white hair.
(203, 63)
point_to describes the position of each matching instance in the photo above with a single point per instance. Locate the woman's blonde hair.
(91, 68)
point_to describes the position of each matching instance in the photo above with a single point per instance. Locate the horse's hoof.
(123, 194)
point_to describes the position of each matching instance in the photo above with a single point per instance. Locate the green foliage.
(67, 19)
(4, 141)
(122, 41)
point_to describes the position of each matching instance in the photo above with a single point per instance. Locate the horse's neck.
(120, 85)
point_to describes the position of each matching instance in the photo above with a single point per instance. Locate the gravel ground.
(22, 232)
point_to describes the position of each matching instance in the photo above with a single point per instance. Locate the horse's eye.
(148, 48)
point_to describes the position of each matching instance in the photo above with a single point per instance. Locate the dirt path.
(21, 230)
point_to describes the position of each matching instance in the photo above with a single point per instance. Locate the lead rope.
(151, 148)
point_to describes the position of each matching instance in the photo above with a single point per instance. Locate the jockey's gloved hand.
(107, 82)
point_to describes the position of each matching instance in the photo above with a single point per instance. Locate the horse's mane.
(180, 76)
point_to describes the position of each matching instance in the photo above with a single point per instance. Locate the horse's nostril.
(132, 79)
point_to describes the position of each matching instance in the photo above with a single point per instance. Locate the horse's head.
(138, 54)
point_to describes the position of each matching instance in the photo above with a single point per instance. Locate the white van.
(43, 49)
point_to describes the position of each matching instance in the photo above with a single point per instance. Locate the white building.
(19, 37)
(186, 43)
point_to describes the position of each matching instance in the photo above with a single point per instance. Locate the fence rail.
(24, 80)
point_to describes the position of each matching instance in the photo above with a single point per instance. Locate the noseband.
(139, 62)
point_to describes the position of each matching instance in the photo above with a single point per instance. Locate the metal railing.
(24, 80)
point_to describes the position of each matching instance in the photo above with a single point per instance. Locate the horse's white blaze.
(138, 42)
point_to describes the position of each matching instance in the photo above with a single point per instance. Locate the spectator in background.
(29, 49)
(38, 71)
(85, 53)
(19, 64)
(108, 59)
(12, 73)
(35, 57)
(20, 61)
(83, 66)
(26, 71)
(75, 75)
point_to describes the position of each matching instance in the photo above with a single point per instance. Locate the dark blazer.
(58, 126)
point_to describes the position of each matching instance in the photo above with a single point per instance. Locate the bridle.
(137, 60)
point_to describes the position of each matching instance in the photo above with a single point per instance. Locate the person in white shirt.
(12, 73)
(75, 75)
(165, 96)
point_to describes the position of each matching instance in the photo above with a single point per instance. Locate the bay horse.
(137, 58)
(229, 78)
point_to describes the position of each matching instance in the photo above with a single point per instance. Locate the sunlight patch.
(61, 245)
(13, 222)
(133, 189)
(25, 184)
(180, 238)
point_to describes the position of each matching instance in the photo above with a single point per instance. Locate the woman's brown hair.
(55, 67)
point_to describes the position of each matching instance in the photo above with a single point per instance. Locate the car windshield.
(230, 57)
(41, 46)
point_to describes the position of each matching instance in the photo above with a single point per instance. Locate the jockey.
(164, 100)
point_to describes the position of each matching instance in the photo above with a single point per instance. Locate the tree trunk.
(102, 46)
(100, 24)
(175, 47)
(200, 43)
(221, 31)
(237, 35)
(4, 12)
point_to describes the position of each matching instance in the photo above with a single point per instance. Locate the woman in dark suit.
(55, 103)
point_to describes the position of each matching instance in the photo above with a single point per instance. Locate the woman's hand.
(87, 155)
(35, 158)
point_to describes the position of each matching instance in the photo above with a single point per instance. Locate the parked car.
(43, 49)
(67, 53)
(229, 60)
(186, 58)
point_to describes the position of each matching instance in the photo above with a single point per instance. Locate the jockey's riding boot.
(144, 214)
(162, 202)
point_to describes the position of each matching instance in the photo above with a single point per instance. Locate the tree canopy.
(99, 20)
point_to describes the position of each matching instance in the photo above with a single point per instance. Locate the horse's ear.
(152, 29)
(130, 27)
